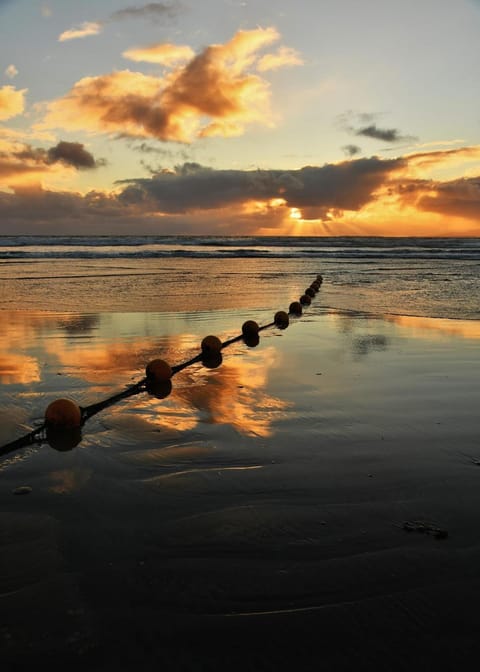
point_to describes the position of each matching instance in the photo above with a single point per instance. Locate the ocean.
(430, 277)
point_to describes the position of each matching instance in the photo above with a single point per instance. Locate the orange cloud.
(284, 56)
(216, 92)
(164, 54)
(12, 102)
(443, 158)
(84, 30)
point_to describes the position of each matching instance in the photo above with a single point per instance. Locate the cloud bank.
(194, 196)
(313, 190)
(351, 197)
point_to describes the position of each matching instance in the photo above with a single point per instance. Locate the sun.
(295, 214)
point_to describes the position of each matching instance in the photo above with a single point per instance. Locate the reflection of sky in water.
(88, 357)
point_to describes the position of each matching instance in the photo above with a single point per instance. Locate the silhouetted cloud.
(150, 149)
(216, 93)
(351, 150)
(73, 154)
(313, 190)
(385, 134)
(194, 198)
(456, 198)
(19, 161)
(363, 124)
(152, 11)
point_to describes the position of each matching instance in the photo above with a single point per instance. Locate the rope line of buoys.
(64, 418)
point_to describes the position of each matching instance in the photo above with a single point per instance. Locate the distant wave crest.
(216, 247)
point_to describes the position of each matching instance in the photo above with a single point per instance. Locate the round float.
(63, 413)
(158, 370)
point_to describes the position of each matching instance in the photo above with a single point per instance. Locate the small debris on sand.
(22, 490)
(424, 528)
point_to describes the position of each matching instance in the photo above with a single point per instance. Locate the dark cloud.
(351, 150)
(73, 154)
(363, 124)
(152, 11)
(70, 153)
(385, 134)
(194, 198)
(457, 198)
(21, 160)
(145, 148)
(314, 190)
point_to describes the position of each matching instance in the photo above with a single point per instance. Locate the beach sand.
(255, 518)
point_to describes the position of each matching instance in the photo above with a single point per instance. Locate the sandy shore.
(254, 518)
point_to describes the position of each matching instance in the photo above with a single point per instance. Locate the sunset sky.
(297, 117)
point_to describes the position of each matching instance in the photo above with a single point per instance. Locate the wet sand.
(254, 519)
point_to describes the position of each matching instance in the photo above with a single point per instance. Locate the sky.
(240, 117)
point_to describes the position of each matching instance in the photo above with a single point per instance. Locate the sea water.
(430, 277)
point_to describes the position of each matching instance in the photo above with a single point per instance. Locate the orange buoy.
(281, 319)
(63, 413)
(158, 370)
(305, 300)
(320, 279)
(250, 327)
(211, 344)
(315, 285)
(295, 308)
(310, 292)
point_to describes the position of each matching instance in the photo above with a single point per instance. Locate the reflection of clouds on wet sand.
(18, 369)
(443, 327)
(19, 333)
(36, 345)
(98, 362)
(234, 395)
